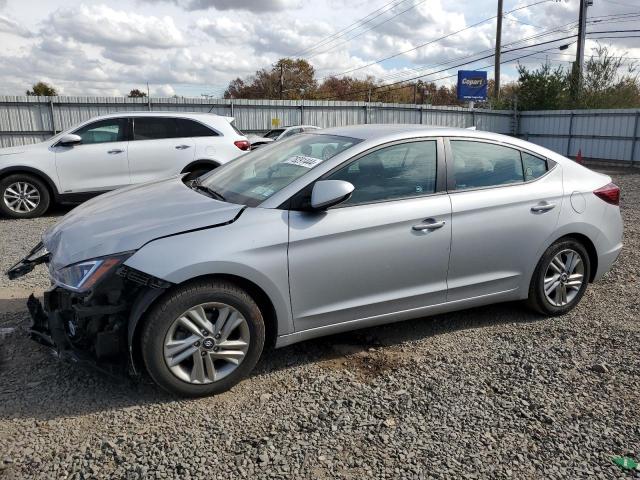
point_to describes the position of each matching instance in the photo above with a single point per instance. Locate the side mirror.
(70, 140)
(327, 193)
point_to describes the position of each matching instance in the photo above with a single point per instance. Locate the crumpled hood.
(126, 219)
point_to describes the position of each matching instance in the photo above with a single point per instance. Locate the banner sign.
(472, 85)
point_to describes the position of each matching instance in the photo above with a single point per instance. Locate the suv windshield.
(254, 177)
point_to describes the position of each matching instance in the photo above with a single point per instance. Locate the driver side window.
(103, 131)
(399, 171)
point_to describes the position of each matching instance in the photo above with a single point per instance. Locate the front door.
(157, 151)
(505, 205)
(98, 163)
(383, 251)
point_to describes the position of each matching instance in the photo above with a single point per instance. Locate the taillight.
(242, 144)
(609, 193)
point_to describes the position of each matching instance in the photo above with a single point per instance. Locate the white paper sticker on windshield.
(303, 161)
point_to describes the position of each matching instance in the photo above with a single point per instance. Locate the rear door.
(383, 251)
(99, 162)
(505, 204)
(157, 150)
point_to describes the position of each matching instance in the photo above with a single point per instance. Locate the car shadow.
(60, 389)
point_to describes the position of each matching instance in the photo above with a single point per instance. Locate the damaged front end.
(94, 325)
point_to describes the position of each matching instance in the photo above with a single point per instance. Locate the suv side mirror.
(327, 193)
(69, 140)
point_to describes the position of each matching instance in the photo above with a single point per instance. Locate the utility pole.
(578, 65)
(582, 31)
(281, 79)
(496, 75)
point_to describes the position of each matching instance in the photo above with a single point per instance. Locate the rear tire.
(202, 338)
(560, 278)
(23, 196)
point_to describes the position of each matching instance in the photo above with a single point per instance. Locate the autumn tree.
(42, 89)
(136, 93)
(287, 78)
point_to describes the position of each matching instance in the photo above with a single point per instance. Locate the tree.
(287, 79)
(606, 83)
(545, 88)
(42, 89)
(136, 93)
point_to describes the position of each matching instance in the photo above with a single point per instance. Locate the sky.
(195, 47)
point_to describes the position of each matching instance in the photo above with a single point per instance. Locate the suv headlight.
(81, 276)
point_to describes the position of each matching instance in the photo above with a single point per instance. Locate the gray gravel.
(495, 392)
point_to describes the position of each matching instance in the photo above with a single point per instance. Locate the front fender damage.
(97, 327)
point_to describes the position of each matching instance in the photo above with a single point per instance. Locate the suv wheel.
(23, 196)
(560, 279)
(202, 338)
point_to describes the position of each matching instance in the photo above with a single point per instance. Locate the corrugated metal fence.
(610, 135)
(32, 119)
(599, 134)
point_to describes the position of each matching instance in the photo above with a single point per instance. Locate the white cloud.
(101, 49)
(104, 26)
(163, 91)
(9, 25)
(250, 5)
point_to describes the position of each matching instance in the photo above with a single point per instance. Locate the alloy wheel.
(21, 197)
(564, 277)
(206, 343)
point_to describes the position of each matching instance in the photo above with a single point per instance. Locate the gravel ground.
(495, 392)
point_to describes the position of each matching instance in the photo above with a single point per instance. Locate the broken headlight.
(81, 276)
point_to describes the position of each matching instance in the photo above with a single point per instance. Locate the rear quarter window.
(533, 166)
(191, 128)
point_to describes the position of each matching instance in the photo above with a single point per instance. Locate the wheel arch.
(589, 246)
(49, 183)
(200, 163)
(148, 298)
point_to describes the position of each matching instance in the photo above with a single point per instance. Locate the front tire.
(23, 196)
(202, 338)
(560, 278)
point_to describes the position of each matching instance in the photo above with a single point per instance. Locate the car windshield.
(274, 133)
(254, 177)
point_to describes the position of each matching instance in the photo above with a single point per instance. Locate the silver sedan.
(321, 233)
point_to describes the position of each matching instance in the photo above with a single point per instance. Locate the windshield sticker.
(303, 161)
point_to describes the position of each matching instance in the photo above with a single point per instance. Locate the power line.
(367, 30)
(467, 63)
(357, 24)
(509, 44)
(437, 39)
(450, 76)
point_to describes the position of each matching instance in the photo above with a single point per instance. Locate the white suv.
(113, 151)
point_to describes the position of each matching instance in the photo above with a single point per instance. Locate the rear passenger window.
(477, 164)
(154, 128)
(190, 128)
(399, 171)
(534, 167)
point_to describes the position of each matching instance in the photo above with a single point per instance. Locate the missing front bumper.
(81, 329)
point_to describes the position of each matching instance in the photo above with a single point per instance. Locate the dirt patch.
(366, 363)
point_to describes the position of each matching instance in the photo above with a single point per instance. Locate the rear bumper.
(606, 261)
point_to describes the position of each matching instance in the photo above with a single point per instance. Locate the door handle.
(428, 226)
(545, 207)
(182, 147)
(115, 150)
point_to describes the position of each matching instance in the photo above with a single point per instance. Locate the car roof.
(380, 133)
(144, 113)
